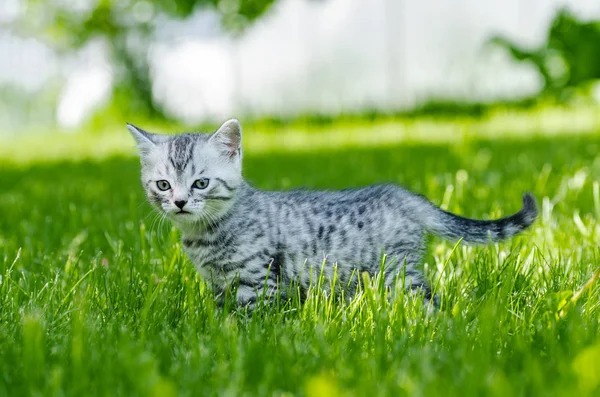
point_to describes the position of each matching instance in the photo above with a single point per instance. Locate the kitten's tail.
(453, 227)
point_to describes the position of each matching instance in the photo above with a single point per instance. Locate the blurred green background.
(71, 65)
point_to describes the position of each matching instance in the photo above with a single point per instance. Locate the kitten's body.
(257, 239)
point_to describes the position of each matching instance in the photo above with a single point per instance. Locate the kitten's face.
(191, 177)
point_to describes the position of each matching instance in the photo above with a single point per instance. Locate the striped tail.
(453, 227)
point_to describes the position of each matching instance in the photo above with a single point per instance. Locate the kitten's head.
(191, 177)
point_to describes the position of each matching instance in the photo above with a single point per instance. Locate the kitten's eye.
(201, 183)
(163, 185)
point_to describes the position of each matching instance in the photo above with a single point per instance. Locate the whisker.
(156, 216)
(161, 237)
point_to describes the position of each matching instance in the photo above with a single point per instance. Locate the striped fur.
(259, 240)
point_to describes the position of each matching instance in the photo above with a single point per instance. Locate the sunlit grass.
(96, 297)
(264, 137)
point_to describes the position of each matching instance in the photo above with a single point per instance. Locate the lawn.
(96, 297)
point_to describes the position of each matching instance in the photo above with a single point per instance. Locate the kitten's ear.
(228, 138)
(143, 139)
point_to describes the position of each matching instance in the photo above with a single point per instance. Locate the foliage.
(97, 299)
(126, 27)
(570, 56)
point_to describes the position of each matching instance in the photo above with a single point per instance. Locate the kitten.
(259, 240)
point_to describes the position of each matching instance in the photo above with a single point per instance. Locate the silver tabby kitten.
(258, 240)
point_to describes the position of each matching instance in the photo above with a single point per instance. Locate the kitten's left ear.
(142, 138)
(228, 138)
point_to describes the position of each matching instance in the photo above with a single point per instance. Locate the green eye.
(163, 185)
(201, 183)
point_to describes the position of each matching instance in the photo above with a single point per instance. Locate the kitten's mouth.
(182, 212)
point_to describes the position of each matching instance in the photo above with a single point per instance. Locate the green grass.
(96, 297)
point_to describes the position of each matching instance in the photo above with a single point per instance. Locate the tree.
(127, 28)
(570, 56)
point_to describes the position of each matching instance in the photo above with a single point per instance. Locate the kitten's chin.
(187, 221)
(184, 217)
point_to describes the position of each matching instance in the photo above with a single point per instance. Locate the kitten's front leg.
(240, 296)
(247, 298)
(249, 294)
(250, 281)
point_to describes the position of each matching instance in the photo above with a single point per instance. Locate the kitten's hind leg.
(404, 274)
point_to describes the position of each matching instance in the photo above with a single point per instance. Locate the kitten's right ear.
(142, 138)
(228, 139)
